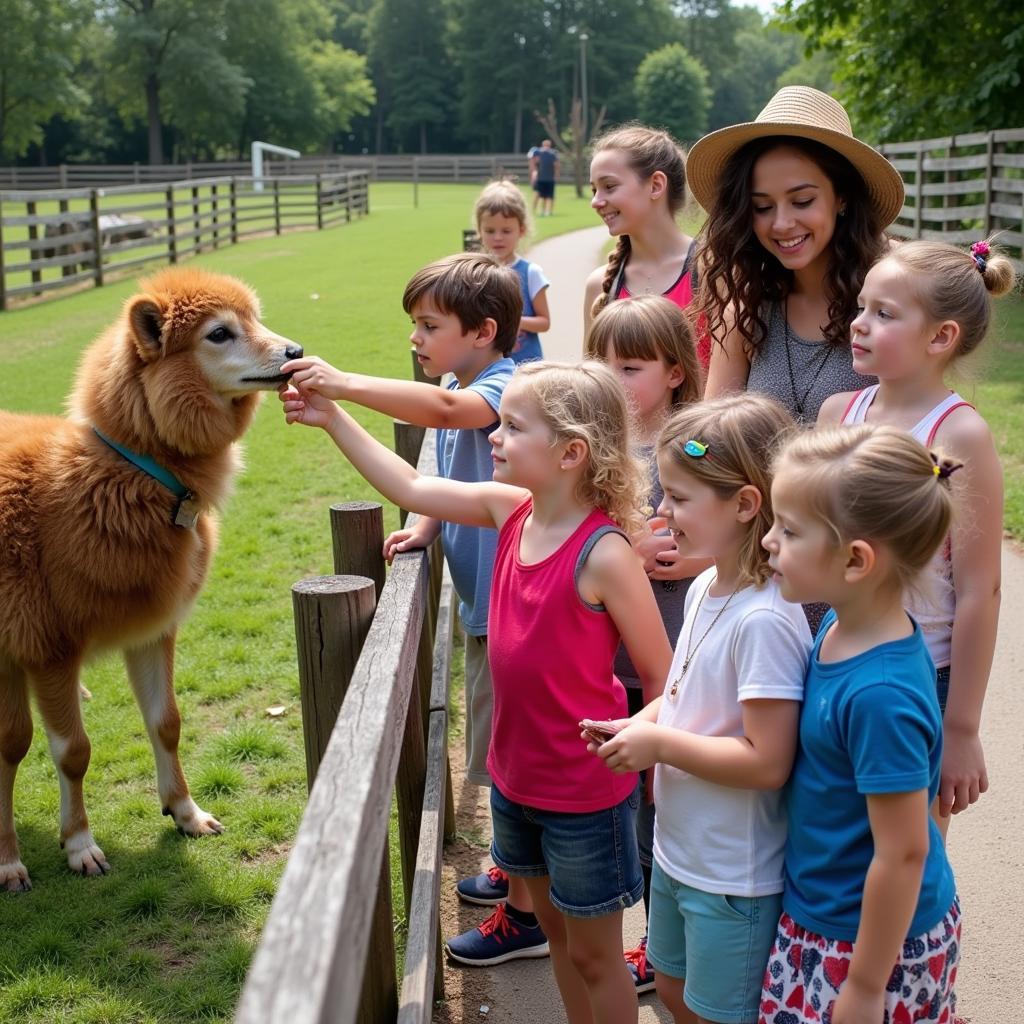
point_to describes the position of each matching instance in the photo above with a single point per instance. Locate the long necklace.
(800, 402)
(690, 654)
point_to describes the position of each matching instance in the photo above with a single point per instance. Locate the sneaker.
(488, 889)
(636, 961)
(498, 939)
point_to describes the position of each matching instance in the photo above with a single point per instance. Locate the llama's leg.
(57, 692)
(15, 739)
(151, 670)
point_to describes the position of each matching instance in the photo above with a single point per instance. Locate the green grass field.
(168, 935)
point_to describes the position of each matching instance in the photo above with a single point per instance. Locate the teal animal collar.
(186, 511)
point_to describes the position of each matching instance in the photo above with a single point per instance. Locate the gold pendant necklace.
(690, 654)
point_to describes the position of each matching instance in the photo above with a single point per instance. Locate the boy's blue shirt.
(466, 455)
(869, 724)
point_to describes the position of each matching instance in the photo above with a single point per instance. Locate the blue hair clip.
(695, 449)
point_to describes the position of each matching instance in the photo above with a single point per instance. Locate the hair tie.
(945, 468)
(981, 251)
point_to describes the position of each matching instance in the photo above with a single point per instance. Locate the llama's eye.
(219, 335)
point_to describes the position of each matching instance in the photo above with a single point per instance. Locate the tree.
(672, 91)
(410, 68)
(38, 46)
(573, 141)
(912, 69)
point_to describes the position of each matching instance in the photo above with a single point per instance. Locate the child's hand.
(964, 776)
(404, 540)
(632, 749)
(854, 1005)
(653, 542)
(311, 374)
(309, 408)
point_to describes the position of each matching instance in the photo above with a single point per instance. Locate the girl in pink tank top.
(566, 589)
(922, 306)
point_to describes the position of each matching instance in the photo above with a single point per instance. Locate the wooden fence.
(963, 188)
(374, 659)
(400, 167)
(53, 239)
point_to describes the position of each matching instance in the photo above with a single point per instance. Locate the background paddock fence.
(53, 239)
(374, 653)
(963, 188)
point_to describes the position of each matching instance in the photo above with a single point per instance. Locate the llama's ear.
(146, 319)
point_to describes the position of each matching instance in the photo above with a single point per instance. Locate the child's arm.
(613, 576)
(422, 535)
(541, 319)
(759, 759)
(483, 504)
(976, 555)
(899, 830)
(426, 405)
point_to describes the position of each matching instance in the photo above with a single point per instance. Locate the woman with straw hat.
(796, 208)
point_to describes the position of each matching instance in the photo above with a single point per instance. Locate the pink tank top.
(935, 607)
(551, 659)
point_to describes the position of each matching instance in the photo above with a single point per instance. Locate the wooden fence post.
(97, 235)
(989, 148)
(332, 617)
(357, 535)
(233, 185)
(277, 206)
(919, 177)
(196, 226)
(172, 241)
(3, 273)
(33, 234)
(319, 203)
(214, 216)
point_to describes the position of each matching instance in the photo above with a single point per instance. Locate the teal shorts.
(719, 944)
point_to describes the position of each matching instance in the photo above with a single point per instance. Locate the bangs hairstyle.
(473, 287)
(586, 401)
(950, 285)
(874, 483)
(648, 327)
(501, 198)
(646, 150)
(742, 434)
(737, 271)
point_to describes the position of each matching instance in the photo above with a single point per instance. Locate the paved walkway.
(985, 843)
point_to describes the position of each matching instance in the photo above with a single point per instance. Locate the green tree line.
(158, 80)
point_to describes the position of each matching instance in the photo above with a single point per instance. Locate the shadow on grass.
(165, 936)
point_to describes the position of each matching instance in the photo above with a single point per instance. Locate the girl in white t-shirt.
(724, 731)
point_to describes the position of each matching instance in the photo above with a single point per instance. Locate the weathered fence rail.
(963, 188)
(52, 239)
(400, 167)
(374, 660)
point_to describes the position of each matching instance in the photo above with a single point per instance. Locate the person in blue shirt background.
(543, 175)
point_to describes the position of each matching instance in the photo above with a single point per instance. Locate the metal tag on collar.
(186, 512)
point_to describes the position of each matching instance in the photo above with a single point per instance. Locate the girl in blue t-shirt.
(502, 223)
(870, 930)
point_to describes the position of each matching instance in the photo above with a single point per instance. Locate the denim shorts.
(591, 858)
(719, 944)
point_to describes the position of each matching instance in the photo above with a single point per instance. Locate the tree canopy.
(672, 92)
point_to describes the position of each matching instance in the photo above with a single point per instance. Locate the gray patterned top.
(820, 369)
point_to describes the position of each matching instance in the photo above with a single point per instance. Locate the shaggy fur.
(89, 556)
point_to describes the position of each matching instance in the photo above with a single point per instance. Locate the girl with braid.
(638, 180)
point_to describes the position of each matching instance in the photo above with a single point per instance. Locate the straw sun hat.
(807, 113)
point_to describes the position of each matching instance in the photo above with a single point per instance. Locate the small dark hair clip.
(944, 468)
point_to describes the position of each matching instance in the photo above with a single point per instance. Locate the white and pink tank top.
(934, 609)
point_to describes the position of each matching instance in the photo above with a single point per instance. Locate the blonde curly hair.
(586, 401)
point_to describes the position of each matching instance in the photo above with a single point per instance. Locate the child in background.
(723, 733)
(649, 343)
(871, 924)
(566, 589)
(465, 311)
(923, 307)
(638, 179)
(501, 222)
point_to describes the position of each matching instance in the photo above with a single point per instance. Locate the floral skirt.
(805, 972)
